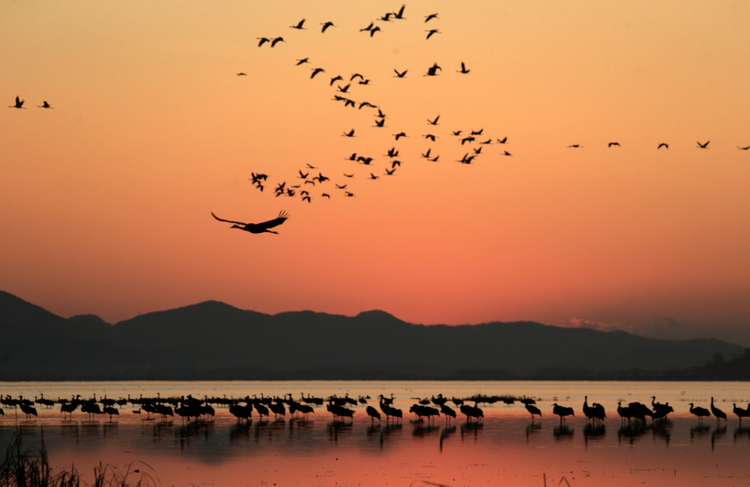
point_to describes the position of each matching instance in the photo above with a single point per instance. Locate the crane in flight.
(19, 103)
(262, 227)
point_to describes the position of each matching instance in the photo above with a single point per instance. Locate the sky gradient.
(107, 199)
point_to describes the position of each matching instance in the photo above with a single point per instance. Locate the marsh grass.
(30, 468)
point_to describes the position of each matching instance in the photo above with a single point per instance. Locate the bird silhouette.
(432, 71)
(400, 75)
(374, 30)
(430, 137)
(372, 413)
(430, 17)
(372, 176)
(666, 146)
(316, 71)
(477, 132)
(344, 89)
(612, 144)
(302, 61)
(574, 146)
(238, 74)
(716, 411)
(44, 105)
(434, 159)
(368, 28)
(431, 32)
(700, 412)
(704, 146)
(303, 175)
(400, 14)
(366, 104)
(327, 25)
(336, 78)
(389, 172)
(433, 122)
(262, 227)
(503, 140)
(399, 135)
(386, 17)
(298, 25)
(463, 69)
(426, 155)
(743, 148)
(263, 40)
(276, 40)
(348, 175)
(18, 104)
(562, 411)
(348, 134)
(533, 410)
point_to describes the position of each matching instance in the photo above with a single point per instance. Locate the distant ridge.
(215, 341)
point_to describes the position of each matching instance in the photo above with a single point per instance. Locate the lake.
(506, 448)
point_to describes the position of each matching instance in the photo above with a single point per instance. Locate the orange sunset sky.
(107, 198)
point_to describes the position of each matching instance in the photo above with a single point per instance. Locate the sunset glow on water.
(504, 447)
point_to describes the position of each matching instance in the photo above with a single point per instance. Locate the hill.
(212, 340)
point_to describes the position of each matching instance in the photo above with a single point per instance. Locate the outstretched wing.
(228, 221)
(283, 215)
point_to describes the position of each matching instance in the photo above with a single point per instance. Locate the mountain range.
(215, 341)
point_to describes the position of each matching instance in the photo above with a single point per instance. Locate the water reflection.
(716, 434)
(740, 431)
(532, 428)
(563, 431)
(593, 431)
(446, 433)
(471, 429)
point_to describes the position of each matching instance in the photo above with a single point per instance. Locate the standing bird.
(533, 410)
(700, 412)
(741, 413)
(257, 227)
(372, 413)
(714, 410)
(19, 103)
(562, 411)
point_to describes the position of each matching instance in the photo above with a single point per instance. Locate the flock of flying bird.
(472, 142)
(190, 408)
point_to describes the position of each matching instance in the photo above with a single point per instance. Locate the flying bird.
(463, 69)
(400, 75)
(335, 79)
(379, 123)
(263, 40)
(276, 40)
(432, 71)
(430, 136)
(503, 140)
(574, 146)
(432, 31)
(348, 175)
(617, 144)
(666, 146)
(433, 122)
(430, 17)
(298, 25)
(238, 74)
(374, 30)
(348, 134)
(372, 176)
(257, 227)
(368, 28)
(399, 135)
(327, 25)
(400, 14)
(743, 148)
(302, 61)
(704, 146)
(19, 103)
(316, 71)
(44, 105)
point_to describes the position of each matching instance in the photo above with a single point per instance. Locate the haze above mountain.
(212, 340)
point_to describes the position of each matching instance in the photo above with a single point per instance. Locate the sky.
(107, 197)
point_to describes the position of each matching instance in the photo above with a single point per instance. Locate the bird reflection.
(662, 428)
(239, 431)
(473, 427)
(741, 431)
(718, 432)
(335, 428)
(445, 434)
(421, 430)
(563, 431)
(699, 430)
(532, 428)
(632, 431)
(593, 431)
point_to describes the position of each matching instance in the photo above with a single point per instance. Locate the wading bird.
(257, 227)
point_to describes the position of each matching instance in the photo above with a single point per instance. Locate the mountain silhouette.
(213, 340)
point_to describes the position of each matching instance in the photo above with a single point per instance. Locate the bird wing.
(228, 221)
(275, 222)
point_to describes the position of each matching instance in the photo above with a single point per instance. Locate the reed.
(30, 468)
